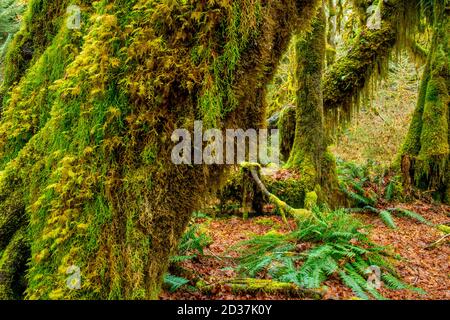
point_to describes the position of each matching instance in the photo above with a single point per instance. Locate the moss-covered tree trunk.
(425, 156)
(86, 177)
(309, 155)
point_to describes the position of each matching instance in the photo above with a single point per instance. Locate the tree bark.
(425, 156)
(309, 153)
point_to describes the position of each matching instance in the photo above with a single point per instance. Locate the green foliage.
(411, 215)
(377, 131)
(353, 179)
(386, 217)
(10, 11)
(193, 241)
(87, 120)
(174, 282)
(191, 245)
(282, 92)
(9, 15)
(331, 243)
(357, 181)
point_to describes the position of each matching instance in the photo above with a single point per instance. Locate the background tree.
(309, 153)
(9, 23)
(426, 153)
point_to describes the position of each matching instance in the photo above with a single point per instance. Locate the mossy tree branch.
(93, 167)
(349, 75)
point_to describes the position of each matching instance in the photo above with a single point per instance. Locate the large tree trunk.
(85, 151)
(309, 155)
(425, 156)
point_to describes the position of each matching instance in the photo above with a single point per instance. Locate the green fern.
(191, 245)
(390, 189)
(337, 247)
(350, 282)
(193, 241)
(173, 282)
(353, 181)
(386, 217)
(411, 215)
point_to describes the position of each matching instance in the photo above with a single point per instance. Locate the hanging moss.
(353, 77)
(86, 139)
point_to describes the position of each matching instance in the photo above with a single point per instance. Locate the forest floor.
(421, 266)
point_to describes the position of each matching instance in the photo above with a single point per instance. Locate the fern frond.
(389, 194)
(174, 282)
(412, 215)
(352, 284)
(386, 217)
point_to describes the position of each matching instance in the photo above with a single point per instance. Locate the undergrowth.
(191, 246)
(330, 244)
(370, 189)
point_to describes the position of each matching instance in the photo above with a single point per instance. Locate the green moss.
(311, 200)
(41, 22)
(286, 127)
(27, 107)
(349, 79)
(12, 266)
(309, 156)
(86, 146)
(425, 155)
(292, 190)
(255, 286)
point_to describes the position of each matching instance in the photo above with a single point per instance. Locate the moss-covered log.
(425, 156)
(255, 286)
(87, 122)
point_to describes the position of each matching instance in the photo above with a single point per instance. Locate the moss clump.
(291, 190)
(311, 200)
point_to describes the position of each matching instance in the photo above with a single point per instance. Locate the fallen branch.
(284, 208)
(438, 242)
(253, 286)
